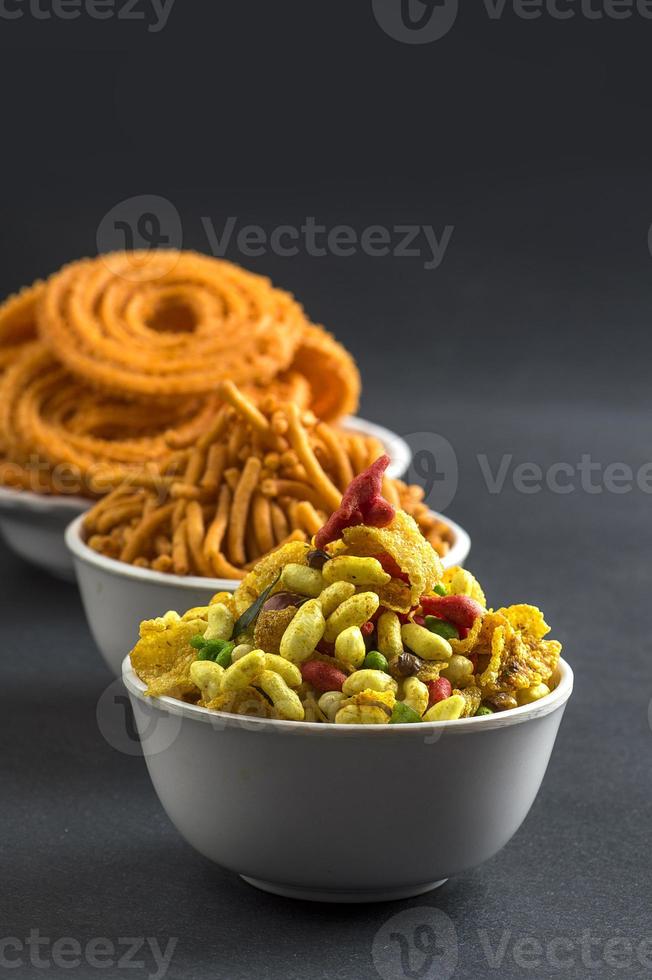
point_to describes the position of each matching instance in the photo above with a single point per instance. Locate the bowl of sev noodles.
(198, 529)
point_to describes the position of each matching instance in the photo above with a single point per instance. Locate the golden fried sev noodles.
(272, 474)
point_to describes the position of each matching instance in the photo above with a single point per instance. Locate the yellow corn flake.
(518, 662)
(242, 599)
(544, 656)
(489, 624)
(162, 656)
(472, 700)
(197, 612)
(246, 701)
(467, 645)
(430, 670)
(158, 650)
(415, 556)
(527, 620)
(266, 571)
(489, 676)
(160, 624)
(459, 581)
(517, 672)
(374, 699)
(224, 599)
(176, 682)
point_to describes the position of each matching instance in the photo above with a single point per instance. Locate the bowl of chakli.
(111, 366)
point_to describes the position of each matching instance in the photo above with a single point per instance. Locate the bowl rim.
(222, 719)
(112, 566)
(14, 498)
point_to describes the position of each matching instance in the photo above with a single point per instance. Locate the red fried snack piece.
(362, 503)
(391, 566)
(323, 676)
(460, 610)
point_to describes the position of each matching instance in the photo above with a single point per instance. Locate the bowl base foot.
(348, 895)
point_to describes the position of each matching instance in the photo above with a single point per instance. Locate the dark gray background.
(532, 138)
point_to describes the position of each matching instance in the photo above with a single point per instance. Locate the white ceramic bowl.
(32, 524)
(117, 596)
(346, 813)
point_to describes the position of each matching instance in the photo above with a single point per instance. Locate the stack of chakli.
(114, 362)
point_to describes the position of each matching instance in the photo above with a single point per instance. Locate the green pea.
(442, 628)
(482, 710)
(197, 641)
(218, 651)
(403, 714)
(376, 661)
(440, 590)
(225, 658)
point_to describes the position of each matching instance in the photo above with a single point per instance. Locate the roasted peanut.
(208, 678)
(425, 644)
(303, 580)
(335, 595)
(372, 680)
(532, 694)
(358, 571)
(390, 643)
(304, 632)
(287, 670)
(220, 623)
(285, 700)
(352, 612)
(330, 703)
(243, 671)
(458, 671)
(415, 694)
(447, 710)
(350, 647)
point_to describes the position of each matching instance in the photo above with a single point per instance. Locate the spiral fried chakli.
(18, 323)
(331, 372)
(162, 330)
(62, 436)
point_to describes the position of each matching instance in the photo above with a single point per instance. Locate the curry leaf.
(250, 615)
